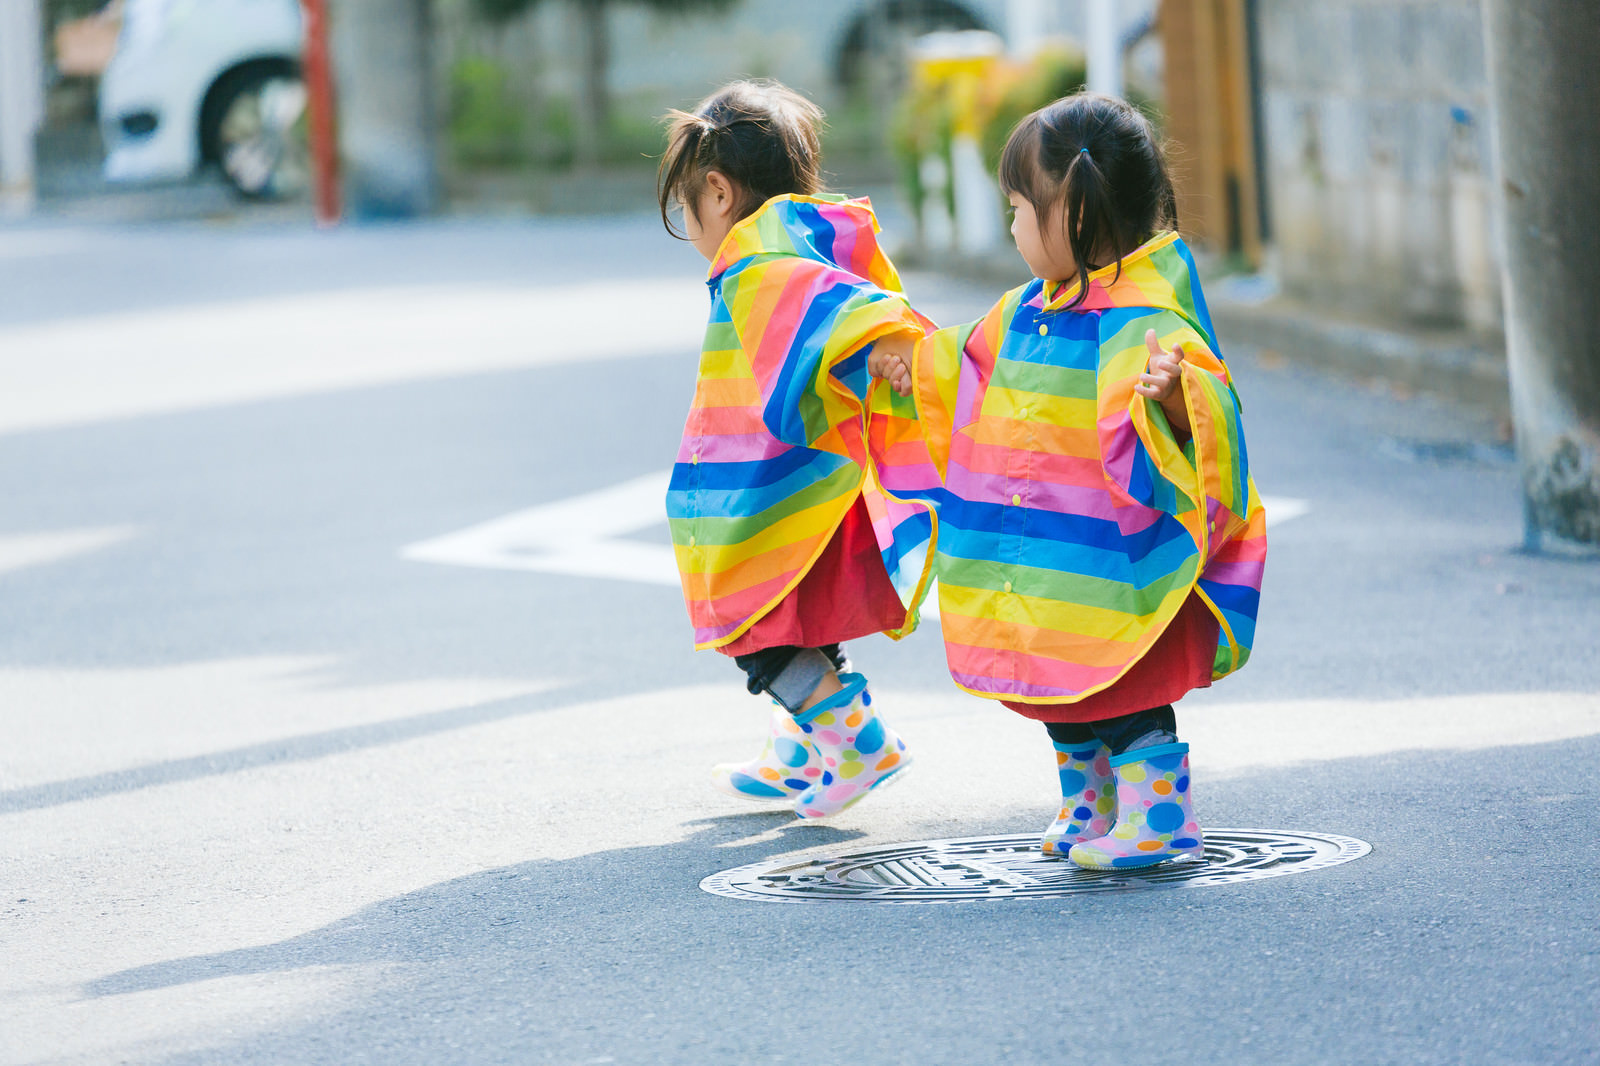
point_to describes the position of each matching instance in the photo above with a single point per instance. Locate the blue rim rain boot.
(786, 767)
(858, 749)
(1088, 796)
(1155, 814)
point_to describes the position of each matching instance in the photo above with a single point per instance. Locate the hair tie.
(1083, 151)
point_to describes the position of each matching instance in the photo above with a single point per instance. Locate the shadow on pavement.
(526, 913)
(1403, 956)
(278, 751)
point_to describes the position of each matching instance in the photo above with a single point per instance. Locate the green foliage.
(56, 12)
(502, 10)
(686, 7)
(923, 127)
(925, 119)
(622, 140)
(1050, 76)
(558, 129)
(506, 10)
(486, 126)
(854, 129)
(633, 133)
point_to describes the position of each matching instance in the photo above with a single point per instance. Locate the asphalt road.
(276, 786)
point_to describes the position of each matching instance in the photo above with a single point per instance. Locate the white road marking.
(1281, 509)
(581, 536)
(18, 552)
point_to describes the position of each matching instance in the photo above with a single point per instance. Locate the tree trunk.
(593, 112)
(1547, 105)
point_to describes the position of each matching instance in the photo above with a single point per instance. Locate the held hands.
(890, 359)
(1161, 382)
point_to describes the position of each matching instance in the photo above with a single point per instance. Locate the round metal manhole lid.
(1011, 867)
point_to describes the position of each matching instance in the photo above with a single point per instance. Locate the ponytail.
(1090, 223)
(1093, 162)
(762, 136)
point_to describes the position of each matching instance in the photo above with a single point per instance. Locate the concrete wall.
(1378, 157)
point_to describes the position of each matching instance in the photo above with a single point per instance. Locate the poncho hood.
(1158, 275)
(827, 229)
(786, 431)
(1082, 521)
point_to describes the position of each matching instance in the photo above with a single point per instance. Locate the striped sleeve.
(1231, 584)
(1145, 461)
(1204, 481)
(807, 328)
(949, 373)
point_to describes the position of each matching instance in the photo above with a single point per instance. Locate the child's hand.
(890, 359)
(1162, 373)
(1161, 382)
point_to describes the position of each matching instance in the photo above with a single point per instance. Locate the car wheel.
(256, 127)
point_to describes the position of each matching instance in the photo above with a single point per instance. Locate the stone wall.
(1378, 158)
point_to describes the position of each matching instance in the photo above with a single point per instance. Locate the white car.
(196, 82)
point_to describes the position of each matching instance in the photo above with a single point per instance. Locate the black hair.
(1096, 159)
(762, 136)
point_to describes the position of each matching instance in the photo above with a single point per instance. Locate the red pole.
(319, 101)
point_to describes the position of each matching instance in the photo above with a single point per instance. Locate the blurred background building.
(1348, 140)
(1376, 129)
(1335, 156)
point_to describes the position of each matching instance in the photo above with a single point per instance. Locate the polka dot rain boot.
(1155, 815)
(858, 749)
(1088, 796)
(786, 767)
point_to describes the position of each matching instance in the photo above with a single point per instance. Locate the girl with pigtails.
(1102, 551)
(787, 543)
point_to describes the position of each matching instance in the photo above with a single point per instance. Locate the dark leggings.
(776, 672)
(1142, 729)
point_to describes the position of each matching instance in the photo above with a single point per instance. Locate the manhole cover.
(1011, 867)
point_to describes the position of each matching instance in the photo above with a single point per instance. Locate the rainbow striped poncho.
(1079, 524)
(777, 445)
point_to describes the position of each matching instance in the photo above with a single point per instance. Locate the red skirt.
(845, 595)
(1180, 660)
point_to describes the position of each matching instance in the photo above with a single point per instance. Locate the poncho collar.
(826, 228)
(1156, 274)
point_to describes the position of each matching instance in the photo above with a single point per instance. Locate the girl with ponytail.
(1101, 547)
(787, 540)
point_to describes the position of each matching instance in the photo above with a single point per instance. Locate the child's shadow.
(532, 915)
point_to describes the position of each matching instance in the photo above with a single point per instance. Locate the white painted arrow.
(585, 536)
(581, 536)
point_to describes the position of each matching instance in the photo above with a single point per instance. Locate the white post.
(978, 228)
(938, 228)
(1104, 48)
(1024, 28)
(21, 100)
